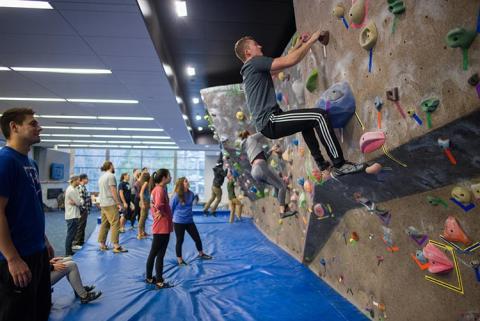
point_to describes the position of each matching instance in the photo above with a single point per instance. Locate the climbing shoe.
(287, 214)
(205, 257)
(348, 168)
(90, 297)
(163, 285)
(183, 263)
(119, 250)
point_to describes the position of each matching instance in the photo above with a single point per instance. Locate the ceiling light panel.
(102, 101)
(190, 71)
(195, 100)
(25, 4)
(64, 70)
(32, 98)
(181, 8)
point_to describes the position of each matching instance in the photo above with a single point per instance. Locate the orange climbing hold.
(453, 232)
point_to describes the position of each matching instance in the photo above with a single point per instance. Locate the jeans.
(73, 277)
(263, 174)
(71, 231)
(82, 224)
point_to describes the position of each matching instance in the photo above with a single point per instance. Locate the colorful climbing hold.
(462, 194)
(429, 106)
(461, 38)
(311, 84)
(240, 115)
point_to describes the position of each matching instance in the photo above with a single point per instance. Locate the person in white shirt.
(110, 205)
(73, 201)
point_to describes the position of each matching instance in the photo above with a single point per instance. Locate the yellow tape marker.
(459, 288)
(360, 121)
(387, 153)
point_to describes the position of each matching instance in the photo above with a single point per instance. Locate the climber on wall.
(273, 122)
(252, 145)
(219, 175)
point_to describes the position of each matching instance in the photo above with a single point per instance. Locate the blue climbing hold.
(279, 97)
(338, 101)
(295, 142)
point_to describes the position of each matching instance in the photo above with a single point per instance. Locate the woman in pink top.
(161, 228)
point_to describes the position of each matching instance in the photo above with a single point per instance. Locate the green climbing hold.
(432, 200)
(311, 84)
(396, 6)
(294, 39)
(260, 194)
(430, 105)
(237, 167)
(459, 37)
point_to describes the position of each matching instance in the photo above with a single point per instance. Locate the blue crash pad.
(249, 279)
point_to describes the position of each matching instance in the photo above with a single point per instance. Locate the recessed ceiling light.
(181, 8)
(124, 118)
(190, 71)
(25, 4)
(168, 70)
(4, 68)
(195, 100)
(185, 117)
(94, 128)
(189, 128)
(179, 100)
(142, 129)
(102, 101)
(32, 98)
(200, 128)
(63, 70)
(198, 117)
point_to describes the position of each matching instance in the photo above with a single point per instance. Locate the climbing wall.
(376, 238)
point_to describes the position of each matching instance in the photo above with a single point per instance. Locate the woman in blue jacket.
(182, 203)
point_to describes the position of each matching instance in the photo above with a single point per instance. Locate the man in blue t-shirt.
(25, 291)
(275, 123)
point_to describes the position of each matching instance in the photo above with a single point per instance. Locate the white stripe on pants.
(312, 116)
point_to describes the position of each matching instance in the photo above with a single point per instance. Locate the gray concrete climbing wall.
(417, 60)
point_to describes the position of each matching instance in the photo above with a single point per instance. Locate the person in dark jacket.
(219, 175)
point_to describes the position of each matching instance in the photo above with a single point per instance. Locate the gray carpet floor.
(56, 229)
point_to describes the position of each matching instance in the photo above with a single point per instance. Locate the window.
(89, 161)
(190, 164)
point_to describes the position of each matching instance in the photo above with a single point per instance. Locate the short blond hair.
(241, 46)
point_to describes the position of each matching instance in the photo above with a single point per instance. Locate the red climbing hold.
(453, 232)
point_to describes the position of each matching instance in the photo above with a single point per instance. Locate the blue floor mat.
(249, 279)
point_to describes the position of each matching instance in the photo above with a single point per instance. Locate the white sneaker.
(76, 247)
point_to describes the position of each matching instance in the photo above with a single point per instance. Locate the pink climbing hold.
(371, 141)
(439, 262)
(318, 210)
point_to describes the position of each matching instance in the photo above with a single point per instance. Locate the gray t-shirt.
(259, 90)
(105, 196)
